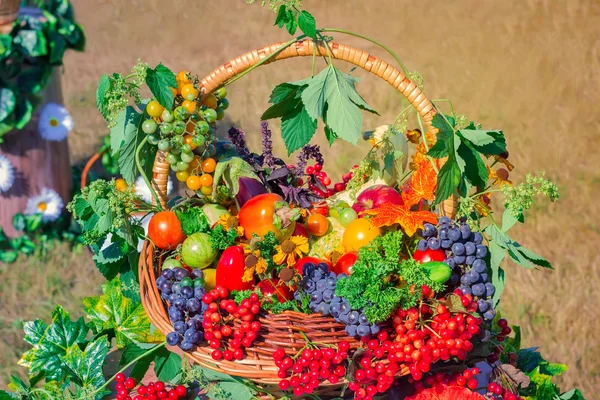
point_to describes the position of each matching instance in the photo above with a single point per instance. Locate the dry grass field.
(529, 67)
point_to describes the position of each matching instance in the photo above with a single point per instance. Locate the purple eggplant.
(248, 189)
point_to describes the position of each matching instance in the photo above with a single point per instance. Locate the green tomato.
(224, 104)
(197, 250)
(172, 158)
(175, 149)
(172, 263)
(164, 145)
(190, 97)
(187, 156)
(179, 127)
(220, 113)
(152, 139)
(167, 115)
(149, 126)
(221, 93)
(181, 113)
(174, 167)
(187, 281)
(166, 128)
(182, 166)
(198, 140)
(347, 215)
(333, 212)
(186, 148)
(179, 140)
(202, 127)
(210, 115)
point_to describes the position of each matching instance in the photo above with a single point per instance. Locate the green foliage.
(464, 148)
(517, 253)
(160, 80)
(331, 95)
(113, 310)
(230, 170)
(380, 283)
(218, 386)
(267, 250)
(192, 220)
(519, 198)
(85, 367)
(50, 344)
(221, 238)
(28, 55)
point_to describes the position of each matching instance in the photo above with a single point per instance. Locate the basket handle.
(305, 48)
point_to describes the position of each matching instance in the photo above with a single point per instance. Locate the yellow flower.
(504, 161)
(229, 222)
(248, 275)
(254, 262)
(500, 177)
(296, 246)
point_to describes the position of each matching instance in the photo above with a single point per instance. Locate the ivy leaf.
(113, 310)
(7, 103)
(85, 367)
(307, 24)
(125, 136)
(160, 81)
(448, 180)
(32, 42)
(104, 86)
(297, 128)
(167, 366)
(50, 343)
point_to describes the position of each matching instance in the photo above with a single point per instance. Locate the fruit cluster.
(305, 371)
(227, 340)
(316, 174)
(152, 391)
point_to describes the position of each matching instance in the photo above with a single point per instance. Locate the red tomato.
(429, 255)
(256, 217)
(300, 263)
(271, 287)
(344, 263)
(230, 269)
(320, 208)
(317, 224)
(164, 230)
(300, 230)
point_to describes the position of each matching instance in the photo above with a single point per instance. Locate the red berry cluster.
(316, 172)
(505, 330)
(439, 379)
(446, 336)
(310, 367)
(219, 329)
(153, 391)
(373, 374)
(496, 391)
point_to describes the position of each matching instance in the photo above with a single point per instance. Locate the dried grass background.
(529, 67)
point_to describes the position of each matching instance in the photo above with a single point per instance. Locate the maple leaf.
(443, 392)
(389, 214)
(422, 184)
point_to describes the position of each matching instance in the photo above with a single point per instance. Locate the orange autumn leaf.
(389, 214)
(422, 184)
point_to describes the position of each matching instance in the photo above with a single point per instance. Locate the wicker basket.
(284, 330)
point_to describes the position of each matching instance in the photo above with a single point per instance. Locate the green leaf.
(50, 343)
(124, 139)
(9, 256)
(130, 281)
(237, 390)
(509, 220)
(18, 221)
(193, 220)
(313, 96)
(497, 254)
(85, 367)
(113, 310)
(4, 395)
(160, 81)
(104, 86)
(573, 394)
(291, 23)
(7, 103)
(282, 16)
(33, 79)
(167, 365)
(286, 89)
(438, 150)
(486, 142)
(445, 130)
(133, 351)
(474, 168)
(230, 171)
(553, 369)
(32, 42)
(448, 180)
(529, 359)
(517, 253)
(23, 113)
(33, 222)
(297, 128)
(283, 107)
(307, 24)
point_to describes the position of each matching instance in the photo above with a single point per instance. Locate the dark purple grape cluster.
(466, 255)
(319, 283)
(184, 293)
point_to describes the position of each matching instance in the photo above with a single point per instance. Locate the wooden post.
(38, 163)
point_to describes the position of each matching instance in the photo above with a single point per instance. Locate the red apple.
(376, 195)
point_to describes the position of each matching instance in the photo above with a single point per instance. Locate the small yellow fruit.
(210, 278)
(121, 184)
(210, 101)
(182, 175)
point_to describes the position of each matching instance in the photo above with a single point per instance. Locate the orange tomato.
(188, 139)
(359, 233)
(317, 224)
(189, 90)
(121, 184)
(206, 180)
(183, 78)
(210, 101)
(193, 182)
(256, 217)
(209, 165)
(189, 105)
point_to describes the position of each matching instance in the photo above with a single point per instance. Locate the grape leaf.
(167, 366)
(297, 128)
(50, 343)
(438, 150)
(113, 310)
(389, 214)
(307, 24)
(85, 367)
(448, 180)
(445, 126)
(160, 80)
(101, 102)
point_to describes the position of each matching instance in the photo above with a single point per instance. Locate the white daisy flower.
(48, 203)
(55, 122)
(142, 190)
(7, 174)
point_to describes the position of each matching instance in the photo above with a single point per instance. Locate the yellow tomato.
(206, 190)
(182, 175)
(195, 164)
(183, 77)
(210, 101)
(359, 233)
(189, 91)
(210, 278)
(154, 109)
(189, 105)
